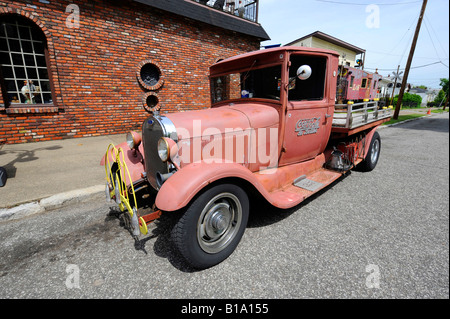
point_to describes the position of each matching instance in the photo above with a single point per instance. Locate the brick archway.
(35, 19)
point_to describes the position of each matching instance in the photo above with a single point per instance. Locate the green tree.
(443, 93)
(445, 85)
(409, 100)
(439, 98)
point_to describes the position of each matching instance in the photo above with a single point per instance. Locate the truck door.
(309, 107)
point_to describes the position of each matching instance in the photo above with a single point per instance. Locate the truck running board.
(305, 186)
(307, 183)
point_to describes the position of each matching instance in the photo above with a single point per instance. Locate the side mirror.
(304, 72)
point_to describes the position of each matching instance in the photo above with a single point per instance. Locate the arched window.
(24, 77)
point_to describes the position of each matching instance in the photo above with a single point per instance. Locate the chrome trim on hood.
(168, 127)
(153, 128)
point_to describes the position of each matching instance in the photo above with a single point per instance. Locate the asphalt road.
(383, 234)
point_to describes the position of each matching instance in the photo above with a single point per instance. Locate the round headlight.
(163, 149)
(130, 140)
(133, 139)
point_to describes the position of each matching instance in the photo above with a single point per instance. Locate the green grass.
(413, 107)
(402, 118)
(439, 111)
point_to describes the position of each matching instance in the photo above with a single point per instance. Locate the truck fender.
(369, 136)
(133, 160)
(181, 187)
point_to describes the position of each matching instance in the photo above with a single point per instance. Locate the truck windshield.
(254, 83)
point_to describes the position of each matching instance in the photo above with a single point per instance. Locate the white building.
(348, 53)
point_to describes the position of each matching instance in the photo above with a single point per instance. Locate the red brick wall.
(94, 67)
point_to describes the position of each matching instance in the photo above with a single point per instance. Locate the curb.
(51, 203)
(405, 121)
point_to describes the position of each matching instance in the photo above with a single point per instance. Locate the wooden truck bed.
(352, 118)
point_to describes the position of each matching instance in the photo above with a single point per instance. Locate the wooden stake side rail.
(351, 116)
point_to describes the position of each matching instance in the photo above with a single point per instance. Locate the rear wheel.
(212, 226)
(373, 154)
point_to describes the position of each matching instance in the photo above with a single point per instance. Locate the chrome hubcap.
(375, 151)
(219, 223)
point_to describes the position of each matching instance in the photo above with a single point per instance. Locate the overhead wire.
(404, 35)
(391, 54)
(431, 39)
(427, 23)
(413, 67)
(399, 42)
(437, 38)
(406, 48)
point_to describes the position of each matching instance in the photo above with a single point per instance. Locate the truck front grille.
(152, 130)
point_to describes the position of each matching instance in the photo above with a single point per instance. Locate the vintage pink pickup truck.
(273, 129)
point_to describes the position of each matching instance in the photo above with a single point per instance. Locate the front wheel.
(212, 226)
(373, 154)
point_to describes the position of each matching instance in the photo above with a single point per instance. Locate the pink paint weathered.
(266, 129)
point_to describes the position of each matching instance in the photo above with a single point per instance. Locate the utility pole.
(397, 75)
(410, 57)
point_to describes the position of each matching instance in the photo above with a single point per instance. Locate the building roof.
(419, 90)
(206, 14)
(331, 39)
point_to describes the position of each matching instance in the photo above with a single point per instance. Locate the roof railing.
(246, 9)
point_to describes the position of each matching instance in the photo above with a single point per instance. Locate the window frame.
(325, 77)
(352, 81)
(20, 21)
(364, 83)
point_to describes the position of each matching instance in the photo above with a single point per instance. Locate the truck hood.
(239, 116)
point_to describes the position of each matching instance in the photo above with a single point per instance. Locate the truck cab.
(304, 103)
(271, 130)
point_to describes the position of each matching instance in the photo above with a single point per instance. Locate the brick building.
(86, 68)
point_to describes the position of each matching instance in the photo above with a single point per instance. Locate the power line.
(437, 37)
(391, 54)
(413, 67)
(431, 39)
(400, 41)
(423, 66)
(444, 64)
(406, 48)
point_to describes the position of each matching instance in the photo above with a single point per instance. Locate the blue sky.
(387, 43)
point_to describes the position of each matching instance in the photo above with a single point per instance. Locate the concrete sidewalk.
(48, 175)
